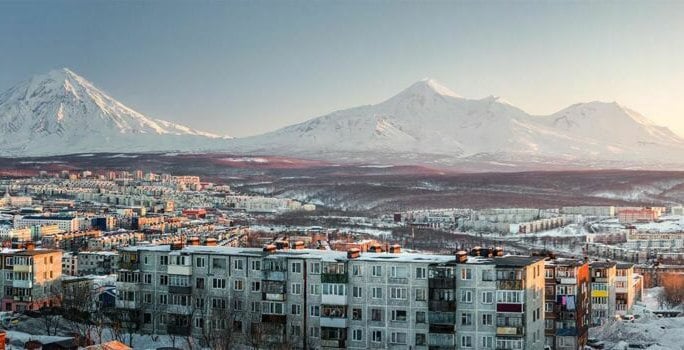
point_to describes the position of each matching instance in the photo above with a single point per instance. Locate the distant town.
(152, 260)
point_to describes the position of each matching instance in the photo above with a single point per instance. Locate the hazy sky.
(241, 68)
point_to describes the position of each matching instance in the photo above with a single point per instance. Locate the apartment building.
(603, 274)
(30, 278)
(625, 293)
(331, 299)
(567, 308)
(97, 263)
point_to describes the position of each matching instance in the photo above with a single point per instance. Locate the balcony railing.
(442, 318)
(180, 290)
(128, 265)
(334, 322)
(442, 305)
(334, 278)
(564, 332)
(178, 330)
(510, 284)
(334, 343)
(442, 283)
(274, 275)
(441, 328)
(279, 319)
(510, 330)
(274, 296)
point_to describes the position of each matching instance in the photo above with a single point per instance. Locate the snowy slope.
(61, 112)
(427, 120)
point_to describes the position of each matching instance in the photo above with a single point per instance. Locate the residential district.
(131, 259)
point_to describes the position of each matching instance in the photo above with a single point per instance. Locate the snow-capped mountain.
(61, 112)
(429, 122)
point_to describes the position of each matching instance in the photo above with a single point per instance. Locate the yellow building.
(30, 278)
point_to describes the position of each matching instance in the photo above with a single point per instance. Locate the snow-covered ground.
(648, 329)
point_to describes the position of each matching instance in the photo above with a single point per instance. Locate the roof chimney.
(375, 248)
(298, 245)
(210, 242)
(353, 253)
(193, 241)
(30, 245)
(461, 256)
(475, 251)
(270, 248)
(395, 249)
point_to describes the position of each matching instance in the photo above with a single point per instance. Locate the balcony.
(510, 331)
(126, 304)
(510, 285)
(273, 275)
(23, 298)
(442, 328)
(397, 280)
(22, 284)
(334, 322)
(180, 290)
(441, 341)
(448, 318)
(180, 270)
(333, 343)
(599, 279)
(179, 309)
(331, 299)
(274, 296)
(442, 305)
(567, 280)
(334, 278)
(129, 265)
(565, 332)
(509, 307)
(442, 283)
(178, 330)
(278, 319)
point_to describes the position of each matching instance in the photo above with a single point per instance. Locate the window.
(296, 288)
(420, 317)
(237, 305)
(487, 342)
(466, 274)
(163, 299)
(357, 270)
(487, 319)
(218, 263)
(272, 308)
(357, 314)
(218, 283)
(357, 335)
(377, 271)
(199, 303)
(398, 293)
(376, 314)
(147, 298)
(255, 306)
(147, 318)
(163, 260)
(377, 336)
(421, 339)
(466, 296)
(466, 341)
(296, 309)
(466, 319)
(315, 267)
(296, 267)
(398, 338)
(548, 273)
(421, 273)
(487, 275)
(399, 315)
(199, 262)
(238, 285)
(315, 310)
(147, 278)
(377, 293)
(238, 264)
(548, 307)
(315, 332)
(218, 303)
(508, 297)
(487, 297)
(314, 289)
(334, 289)
(199, 283)
(421, 294)
(398, 272)
(256, 286)
(357, 292)
(163, 280)
(256, 265)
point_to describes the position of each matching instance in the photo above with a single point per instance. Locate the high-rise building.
(603, 275)
(567, 308)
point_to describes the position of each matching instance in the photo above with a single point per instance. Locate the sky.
(241, 68)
